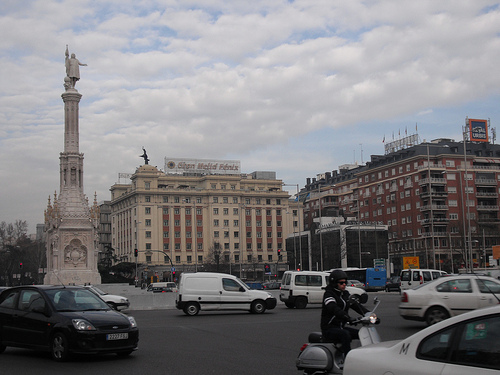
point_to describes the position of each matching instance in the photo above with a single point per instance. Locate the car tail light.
(404, 297)
(303, 347)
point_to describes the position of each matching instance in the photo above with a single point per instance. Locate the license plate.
(117, 336)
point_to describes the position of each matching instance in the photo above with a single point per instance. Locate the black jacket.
(335, 307)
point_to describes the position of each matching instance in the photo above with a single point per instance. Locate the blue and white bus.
(373, 278)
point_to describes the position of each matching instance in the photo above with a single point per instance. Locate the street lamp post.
(298, 215)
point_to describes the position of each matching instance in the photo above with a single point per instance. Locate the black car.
(64, 320)
(393, 284)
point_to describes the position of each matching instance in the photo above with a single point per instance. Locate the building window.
(225, 211)
(225, 200)
(177, 246)
(176, 199)
(165, 211)
(177, 234)
(216, 222)
(148, 258)
(148, 222)
(165, 199)
(165, 234)
(165, 246)
(147, 198)
(216, 211)
(148, 246)
(226, 223)
(216, 199)
(148, 234)
(147, 210)
(177, 211)
(235, 211)
(216, 234)
(247, 200)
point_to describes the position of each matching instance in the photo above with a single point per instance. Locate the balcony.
(435, 234)
(433, 193)
(486, 181)
(431, 167)
(435, 221)
(432, 180)
(486, 194)
(434, 207)
(484, 207)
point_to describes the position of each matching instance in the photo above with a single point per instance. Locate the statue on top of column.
(72, 70)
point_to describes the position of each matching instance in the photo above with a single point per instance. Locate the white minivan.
(220, 291)
(299, 288)
(413, 277)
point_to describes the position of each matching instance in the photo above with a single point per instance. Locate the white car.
(115, 302)
(462, 345)
(449, 296)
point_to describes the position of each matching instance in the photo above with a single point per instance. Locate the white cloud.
(290, 86)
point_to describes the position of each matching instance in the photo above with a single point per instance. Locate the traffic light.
(20, 265)
(267, 269)
(279, 254)
(136, 253)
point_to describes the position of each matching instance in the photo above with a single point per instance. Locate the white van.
(299, 288)
(220, 291)
(411, 278)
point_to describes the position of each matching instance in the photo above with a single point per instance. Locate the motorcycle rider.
(334, 312)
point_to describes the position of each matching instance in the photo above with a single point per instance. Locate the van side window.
(314, 280)
(301, 280)
(405, 276)
(435, 275)
(230, 285)
(427, 276)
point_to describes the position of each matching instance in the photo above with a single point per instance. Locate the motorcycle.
(319, 357)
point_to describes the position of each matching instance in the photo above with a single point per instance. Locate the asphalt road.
(219, 343)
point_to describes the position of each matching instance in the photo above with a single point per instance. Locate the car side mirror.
(376, 301)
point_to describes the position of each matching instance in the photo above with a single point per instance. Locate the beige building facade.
(189, 221)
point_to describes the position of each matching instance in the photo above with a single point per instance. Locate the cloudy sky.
(296, 87)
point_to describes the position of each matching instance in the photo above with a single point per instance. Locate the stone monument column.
(71, 225)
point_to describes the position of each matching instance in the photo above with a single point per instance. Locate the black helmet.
(337, 275)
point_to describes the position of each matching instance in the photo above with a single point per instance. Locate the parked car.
(162, 287)
(355, 283)
(116, 302)
(300, 288)
(272, 285)
(449, 296)
(462, 345)
(393, 284)
(64, 320)
(255, 285)
(413, 277)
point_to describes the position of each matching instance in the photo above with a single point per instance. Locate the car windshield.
(75, 300)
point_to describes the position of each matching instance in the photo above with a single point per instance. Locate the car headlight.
(373, 318)
(123, 300)
(132, 321)
(82, 325)
(269, 295)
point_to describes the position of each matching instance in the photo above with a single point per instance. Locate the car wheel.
(60, 347)
(192, 309)
(258, 307)
(435, 315)
(290, 305)
(301, 303)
